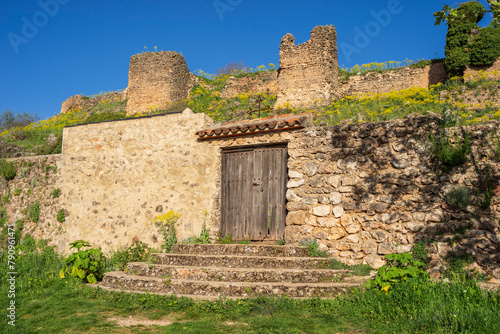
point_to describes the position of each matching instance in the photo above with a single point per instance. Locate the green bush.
(7, 169)
(459, 197)
(61, 217)
(56, 193)
(399, 268)
(485, 48)
(420, 253)
(313, 249)
(87, 265)
(450, 155)
(34, 212)
(138, 251)
(225, 240)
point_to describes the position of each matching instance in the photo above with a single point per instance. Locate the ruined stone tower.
(309, 71)
(155, 79)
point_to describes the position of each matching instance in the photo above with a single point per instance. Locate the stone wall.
(35, 181)
(367, 190)
(116, 177)
(309, 71)
(260, 83)
(84, 102)
(155, 79)
(398, 79)
(490, 71)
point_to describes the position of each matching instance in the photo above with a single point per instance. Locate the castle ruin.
(156, 79)
(309, 71)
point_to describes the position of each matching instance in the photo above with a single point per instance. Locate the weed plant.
(7, 169)
(34, 212)
(224, 240)
(313, 249)
(459, 197)
(449, 155)
(166, 224)
(138, 251)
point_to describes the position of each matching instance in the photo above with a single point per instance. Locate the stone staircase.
(233, 271)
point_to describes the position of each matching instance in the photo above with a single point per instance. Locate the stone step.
(120, 280)
(240, 261)
(222, 274)
(247, 250)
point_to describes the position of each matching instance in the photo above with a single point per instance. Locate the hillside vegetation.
(461, 103)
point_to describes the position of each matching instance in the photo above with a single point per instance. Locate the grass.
(47, 304)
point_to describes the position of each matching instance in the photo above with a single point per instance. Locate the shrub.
(138, 251)
(225, 240)
(231, 69)
(166, 224)
(61, 217)
(485, 48)
(56, 193)
(10, 120)
(17, 191)
(399, 267)
(313, 249)
(447, 154)
(88, 265)
(420, 253)
(7, 169)
(34, 212)
(459, 197)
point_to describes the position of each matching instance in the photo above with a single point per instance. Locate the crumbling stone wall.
(490, 71)
(367, 190)
(155, 79)
(36, 179)
(399, 79)
(309, 71)
(260, 83)
(116, 177)
(84, 102)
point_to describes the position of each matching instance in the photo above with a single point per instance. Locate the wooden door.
(253, 194)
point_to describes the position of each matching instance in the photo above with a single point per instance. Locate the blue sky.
(53, 49)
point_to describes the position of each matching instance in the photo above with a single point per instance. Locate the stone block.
(322, 210)
(385, 248)
(337, 233)
(338, 211)
(296, 218)
(353, 228)
(295, 183)
(328, 222)
(336, 198)
(369, 247)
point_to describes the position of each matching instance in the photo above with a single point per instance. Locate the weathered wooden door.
(254, 193)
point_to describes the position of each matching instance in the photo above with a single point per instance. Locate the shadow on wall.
(411, 187)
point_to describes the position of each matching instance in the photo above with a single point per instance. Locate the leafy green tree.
(466, 42)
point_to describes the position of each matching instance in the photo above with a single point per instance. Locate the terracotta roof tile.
(268, 124)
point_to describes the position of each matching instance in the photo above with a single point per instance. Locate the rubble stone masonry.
(155, 79)
(309, 71)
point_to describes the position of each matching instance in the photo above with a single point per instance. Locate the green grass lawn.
(47, 304)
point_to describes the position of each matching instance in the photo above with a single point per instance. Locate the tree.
(9, 119)
(230, 69)
(466, 42)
